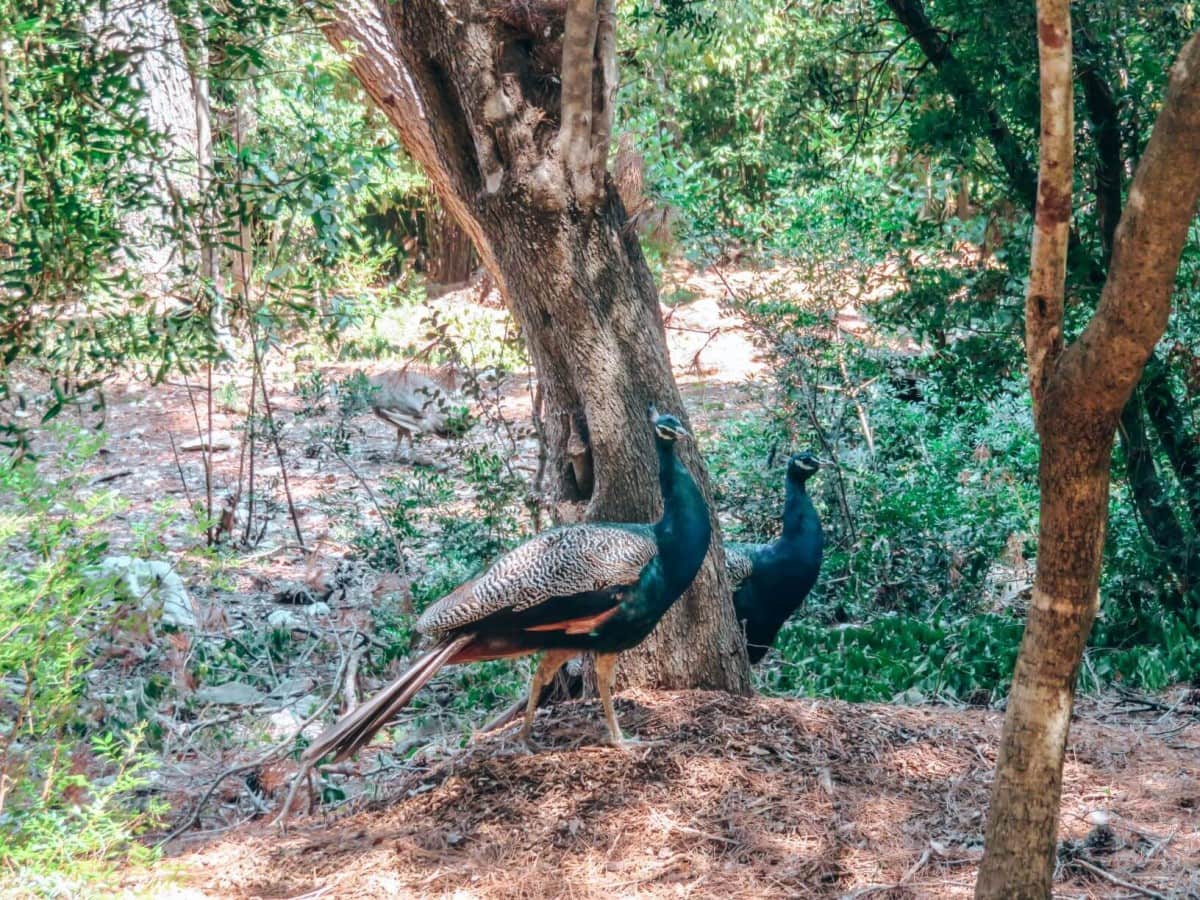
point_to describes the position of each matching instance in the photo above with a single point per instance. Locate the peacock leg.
(606, 675)
(552, 661)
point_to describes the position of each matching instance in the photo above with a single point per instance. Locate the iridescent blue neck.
(798, 509)
(683, 532)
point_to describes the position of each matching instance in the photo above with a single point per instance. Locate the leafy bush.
(899, 657)
(68, 786)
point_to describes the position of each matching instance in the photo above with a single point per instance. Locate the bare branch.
(575, 129)
(1052, 218)
(973, 102)
(366, 31)
(1136, 302)
(606, 96)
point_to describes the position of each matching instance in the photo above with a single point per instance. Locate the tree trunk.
(521, 167)
(449, 255)
(972, 103)
(1079, 392)
(1182, 449)
(1177, 548)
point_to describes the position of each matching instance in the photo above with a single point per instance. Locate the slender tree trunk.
(522, 168)
(972, 103)
(1079, 392)
(1176, 546)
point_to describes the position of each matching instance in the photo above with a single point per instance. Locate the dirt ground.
(729, 797)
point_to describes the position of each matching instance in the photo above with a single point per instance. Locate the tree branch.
(1108, 358)
(606, 96)
(973, 103)
(1052, 216)
(575, 128)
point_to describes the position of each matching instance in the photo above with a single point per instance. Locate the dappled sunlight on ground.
(727, 796)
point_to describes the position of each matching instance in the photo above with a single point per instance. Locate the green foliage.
(70, 122)
(97, 198)
(68, 788)
(899, 657)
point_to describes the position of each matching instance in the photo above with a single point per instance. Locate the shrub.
(67, 784)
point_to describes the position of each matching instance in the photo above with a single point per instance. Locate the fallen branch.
(277, 751)
(1119, 882)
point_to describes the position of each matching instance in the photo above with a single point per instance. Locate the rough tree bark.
(1079, 392)
(521, 165)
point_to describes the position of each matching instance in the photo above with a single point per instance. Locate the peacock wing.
(562, 562)
(739, 562)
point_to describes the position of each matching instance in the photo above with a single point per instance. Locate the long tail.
(354, 730)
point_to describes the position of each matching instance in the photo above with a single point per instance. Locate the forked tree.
(1079, 390)
(508, 109)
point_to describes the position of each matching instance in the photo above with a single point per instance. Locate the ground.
(728, 796)
(733, 798)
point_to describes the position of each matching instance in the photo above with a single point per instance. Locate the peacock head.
(666, 426)
(802, 466)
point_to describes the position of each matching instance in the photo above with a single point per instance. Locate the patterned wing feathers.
(557, 563)
(739, 563)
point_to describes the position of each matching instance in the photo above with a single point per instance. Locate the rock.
(221, 440)
(283, 723)
(284, 620)
(152, 584)
(292, 687)
(231, 693)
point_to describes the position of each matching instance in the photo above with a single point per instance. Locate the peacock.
(770, 581)
(592, 586)
(410, 403)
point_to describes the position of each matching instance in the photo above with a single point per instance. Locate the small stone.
(221, 440)
(292, 687)
(282, 723)
(283, 620)
(231, 693)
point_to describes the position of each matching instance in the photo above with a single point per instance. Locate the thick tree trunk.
(473, 101)
(1079, 392)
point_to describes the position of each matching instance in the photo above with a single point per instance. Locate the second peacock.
(770, 581)
(594, 586)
